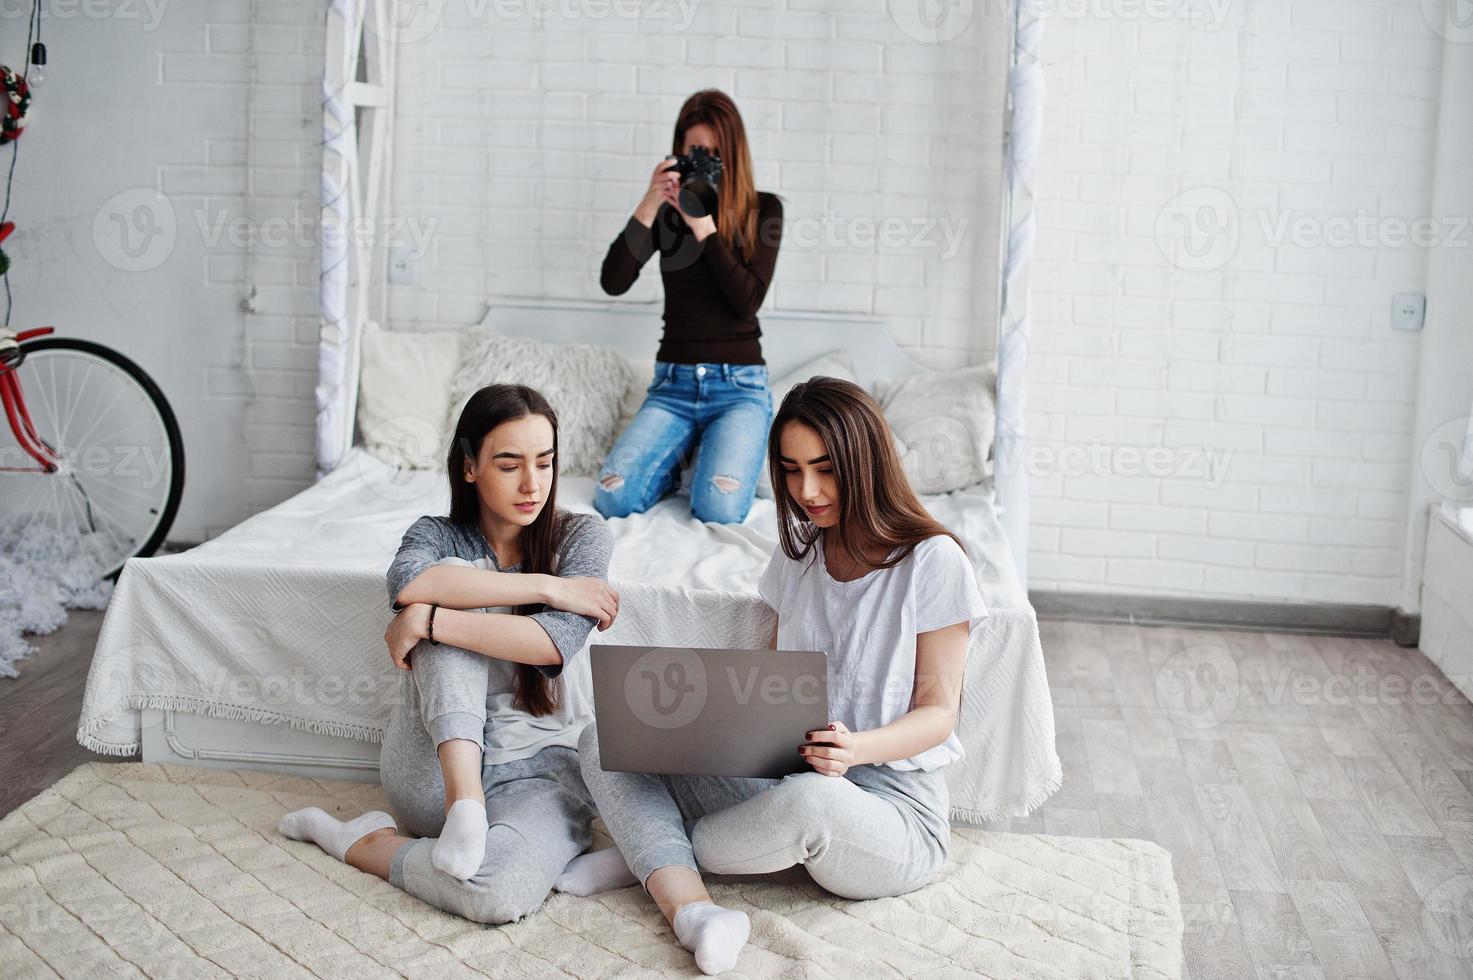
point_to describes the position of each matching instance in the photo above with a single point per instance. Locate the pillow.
(404, 392)
(586, 386)
(834, 364)
(946, 420)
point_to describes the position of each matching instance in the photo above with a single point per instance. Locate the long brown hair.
(486, 409)
(736, 204)
(876, 503)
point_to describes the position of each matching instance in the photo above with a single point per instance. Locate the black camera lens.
(700, 180)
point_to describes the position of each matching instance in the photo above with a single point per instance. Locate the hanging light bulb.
(37, 73)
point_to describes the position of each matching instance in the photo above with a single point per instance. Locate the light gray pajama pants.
(874, 832)
(538, 808)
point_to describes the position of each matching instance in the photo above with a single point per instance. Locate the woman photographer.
(709, 393)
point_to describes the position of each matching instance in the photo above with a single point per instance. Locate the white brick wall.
(527, 142)
(166, 103)
(1279, 358)
(259, 181)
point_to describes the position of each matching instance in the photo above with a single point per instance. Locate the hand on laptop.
(835, 753)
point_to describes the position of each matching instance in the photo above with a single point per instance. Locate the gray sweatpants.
(874, 832)
(538, 808)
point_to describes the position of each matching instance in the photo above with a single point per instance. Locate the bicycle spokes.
(92, 473)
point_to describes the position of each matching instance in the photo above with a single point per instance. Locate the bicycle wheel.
(119, 472)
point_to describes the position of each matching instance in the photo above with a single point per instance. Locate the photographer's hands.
(662, 179)
(664, 188)
(700, 227)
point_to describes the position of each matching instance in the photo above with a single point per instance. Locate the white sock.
(594, 872)
(715, 934)
(462, 842)
(328, 832)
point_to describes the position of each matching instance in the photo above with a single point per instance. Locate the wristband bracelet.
(431, 637)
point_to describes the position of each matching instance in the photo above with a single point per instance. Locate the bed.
(263, 648)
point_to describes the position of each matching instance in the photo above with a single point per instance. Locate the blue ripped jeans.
(726, 408)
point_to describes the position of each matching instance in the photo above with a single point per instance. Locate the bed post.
(1025, 95)
(357, 113)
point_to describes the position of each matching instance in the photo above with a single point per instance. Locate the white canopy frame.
(1024, 130)
(358, 104)
(357, 154)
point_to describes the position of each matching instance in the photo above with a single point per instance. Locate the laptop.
(707, 712)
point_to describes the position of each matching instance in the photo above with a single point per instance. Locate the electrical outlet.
(401, 266)
(1408, 310)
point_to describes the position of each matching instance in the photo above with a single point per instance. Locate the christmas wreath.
(17, 104)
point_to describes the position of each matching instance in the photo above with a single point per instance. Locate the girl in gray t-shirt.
(865, 574)
(479, 759)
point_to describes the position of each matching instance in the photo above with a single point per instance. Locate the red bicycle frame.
(19, 418)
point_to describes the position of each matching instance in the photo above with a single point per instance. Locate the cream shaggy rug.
(127, 869)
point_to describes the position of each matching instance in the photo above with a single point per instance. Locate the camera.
(700, 176)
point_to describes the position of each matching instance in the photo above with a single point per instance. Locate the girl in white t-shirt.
(865, 574)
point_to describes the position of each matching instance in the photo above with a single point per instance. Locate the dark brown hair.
(876, 503)
(736, 205)
(484, 411)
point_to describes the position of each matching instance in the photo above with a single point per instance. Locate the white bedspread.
(281, 619)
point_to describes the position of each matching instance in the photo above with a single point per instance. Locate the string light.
(36, 74)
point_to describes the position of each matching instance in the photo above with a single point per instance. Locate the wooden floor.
(39, 711)
(1316, 793)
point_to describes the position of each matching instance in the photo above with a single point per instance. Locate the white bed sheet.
(281, 619)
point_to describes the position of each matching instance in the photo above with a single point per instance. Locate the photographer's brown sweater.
(711, 294)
